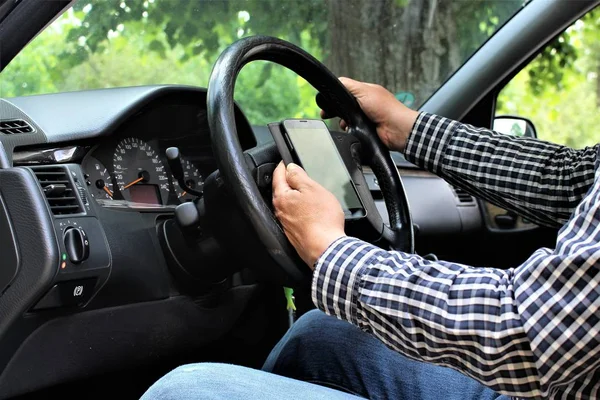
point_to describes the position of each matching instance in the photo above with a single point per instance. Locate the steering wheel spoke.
(261, 162)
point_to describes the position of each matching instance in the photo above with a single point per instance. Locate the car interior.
(136, 224)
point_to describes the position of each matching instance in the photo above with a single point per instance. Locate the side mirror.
(514, 125)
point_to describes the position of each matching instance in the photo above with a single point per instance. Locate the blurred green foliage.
(113, 43)
(558, 91)
(108, 43)
(516, 130)
(134, 42)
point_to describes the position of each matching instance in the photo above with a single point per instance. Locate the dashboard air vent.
(463, 197)
(58, 189)
(15, 126)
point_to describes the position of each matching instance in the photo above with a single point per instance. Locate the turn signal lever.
(194, 257)
(174, 160)
(189, 217)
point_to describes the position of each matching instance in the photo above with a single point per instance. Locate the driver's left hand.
(312, 218)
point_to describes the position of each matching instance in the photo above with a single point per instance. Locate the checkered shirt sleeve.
(531, 331)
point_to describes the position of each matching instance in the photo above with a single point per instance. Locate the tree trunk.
(404, 45)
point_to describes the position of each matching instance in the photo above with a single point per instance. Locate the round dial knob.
(76, 244)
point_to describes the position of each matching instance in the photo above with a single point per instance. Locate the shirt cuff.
(337, 276)
(427, 142)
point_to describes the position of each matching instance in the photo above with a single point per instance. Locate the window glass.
(409, 46)
(559, 91)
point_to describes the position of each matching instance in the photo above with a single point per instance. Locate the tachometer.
(140, 175)
(98, 179)
(192, 178)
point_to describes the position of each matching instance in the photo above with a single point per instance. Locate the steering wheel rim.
(230, 156)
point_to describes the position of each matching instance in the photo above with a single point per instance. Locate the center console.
(84, 261)
(55, 257)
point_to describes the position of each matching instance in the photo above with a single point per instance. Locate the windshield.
(409, 46)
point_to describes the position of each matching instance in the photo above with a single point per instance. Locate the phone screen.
(316, 151)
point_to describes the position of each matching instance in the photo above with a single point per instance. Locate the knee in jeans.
(185, 374)
(191, 381)
(310, 324)
(206, 370)
(196, 369)
(317, 334)
(189, 372)
(313, 317)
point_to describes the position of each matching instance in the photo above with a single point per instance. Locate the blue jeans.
(326, 359)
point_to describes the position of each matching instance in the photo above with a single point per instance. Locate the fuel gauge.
(98, 179)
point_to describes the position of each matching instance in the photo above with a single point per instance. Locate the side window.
(559, 91)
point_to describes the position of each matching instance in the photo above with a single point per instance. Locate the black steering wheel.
(239, 179)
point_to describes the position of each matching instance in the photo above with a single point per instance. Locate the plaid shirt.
(531, 331)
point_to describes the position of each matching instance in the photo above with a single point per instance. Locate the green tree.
(405, 45)
(516, 130)
(408, 45)
(558, 91)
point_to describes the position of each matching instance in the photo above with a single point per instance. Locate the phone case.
(287, 156)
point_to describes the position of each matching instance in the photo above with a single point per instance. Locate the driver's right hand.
(394, 121)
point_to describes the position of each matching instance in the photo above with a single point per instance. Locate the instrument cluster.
(128, 166)
(132, 171)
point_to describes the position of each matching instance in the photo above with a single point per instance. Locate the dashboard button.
(76, 292)
(69, 293)
(77, 245)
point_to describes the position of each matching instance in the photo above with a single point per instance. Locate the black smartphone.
(309, 144)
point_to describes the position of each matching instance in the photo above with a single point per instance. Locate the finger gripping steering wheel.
(237, 176)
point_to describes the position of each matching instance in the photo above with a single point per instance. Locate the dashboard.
(119, 137)
(129, 168)
(85, 189)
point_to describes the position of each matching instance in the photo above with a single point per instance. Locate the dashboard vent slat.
(48, 182)
(58, 190)
(15, 126)
(463, 197)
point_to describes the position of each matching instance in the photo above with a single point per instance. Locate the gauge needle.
(107, 190)
(183, 194)
(133, 183)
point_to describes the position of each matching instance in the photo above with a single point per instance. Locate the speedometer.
(139, 173)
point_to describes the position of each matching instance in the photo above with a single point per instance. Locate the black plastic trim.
(23, 22)
(8, 245)
(4, 161)
(90, 114)
(37, 247)
(59, 350)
